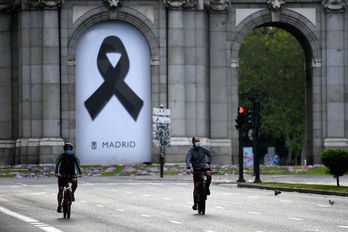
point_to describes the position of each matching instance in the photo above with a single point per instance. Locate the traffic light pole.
(256, 122)
(241, 176)
(256, 157)
(162, 155)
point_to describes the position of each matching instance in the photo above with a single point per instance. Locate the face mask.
(68, 152)
(197, 144)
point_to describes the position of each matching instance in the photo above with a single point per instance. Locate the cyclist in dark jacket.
(67, 167)
(196, 156)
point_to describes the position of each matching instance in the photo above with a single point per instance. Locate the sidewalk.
(232, 179)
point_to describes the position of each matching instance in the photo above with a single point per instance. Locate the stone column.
(176, 72)
(50, 142)
(335, 75)
(196, 92)
(6, 143)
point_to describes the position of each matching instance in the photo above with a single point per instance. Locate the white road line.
(312, 230)
(254, 213)
(121, 210)
(209, 231)
(286, 201)
(325, 206)
(85, 183)
(166, 198)
(219, 207)
(41, 225)
(147, 195)
(101, 206)
(145, 215)
(29, 220)
(253, 197)
(128, 192)
(295, 219)
(82, 201)
(175, 222)
(345, 227)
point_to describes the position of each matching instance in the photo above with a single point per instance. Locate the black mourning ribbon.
(113, 81)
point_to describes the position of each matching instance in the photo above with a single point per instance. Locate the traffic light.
(241, 118)
(250, 117)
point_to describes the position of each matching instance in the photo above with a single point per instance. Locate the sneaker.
(194, 207)
(73, 198)
(59, 209)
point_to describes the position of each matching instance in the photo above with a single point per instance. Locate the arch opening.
(306, 151)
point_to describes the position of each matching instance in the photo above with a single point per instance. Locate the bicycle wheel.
(68, 211)
(65, 210)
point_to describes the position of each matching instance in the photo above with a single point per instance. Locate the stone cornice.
(218, 5)
(180, 3)
(6, 5)
(44, 3)
(334, 5)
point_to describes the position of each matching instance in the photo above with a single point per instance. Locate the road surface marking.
(85, 183)
(312, 230)
(101, 206)
(182, 184)
(29, 220)
(219, 207)
(82, 201)
(166, 198)
(345, 227)
(296, 219)
(175, 222)
(209, 231)
(286, 201)
(325, 206)
(253, 197)
(41, 225)
(147, 195)
(121, 210)
(128, 192)
(254, 213)
(145, 215)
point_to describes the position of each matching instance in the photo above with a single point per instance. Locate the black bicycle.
(202, 192)
(67, 199)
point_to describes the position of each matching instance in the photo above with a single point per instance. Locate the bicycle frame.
(67, 199)
(202, 193)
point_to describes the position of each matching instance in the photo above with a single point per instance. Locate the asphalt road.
(127, 204)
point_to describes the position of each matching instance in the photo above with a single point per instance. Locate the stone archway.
(303, 29)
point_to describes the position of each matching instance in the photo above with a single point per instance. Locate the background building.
(187, 59)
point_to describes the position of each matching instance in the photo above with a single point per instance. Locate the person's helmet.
(68, 146)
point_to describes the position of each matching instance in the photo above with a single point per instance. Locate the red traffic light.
(241, 110)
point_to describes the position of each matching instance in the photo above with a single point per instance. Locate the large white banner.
(113, 95)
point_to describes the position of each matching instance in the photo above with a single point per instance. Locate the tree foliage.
(272, 68)
(336, 160)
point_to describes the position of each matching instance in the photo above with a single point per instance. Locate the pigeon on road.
(277, 192)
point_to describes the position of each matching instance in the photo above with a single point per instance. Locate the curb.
(299, 190)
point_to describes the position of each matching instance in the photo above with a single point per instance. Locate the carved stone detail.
(113, 4)
(180, 3)
(275, 5)
(6, 4)
(219, 5)
(334, 5)
(45, 3)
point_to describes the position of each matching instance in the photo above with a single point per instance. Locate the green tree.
(272, 68)
(336, 160)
